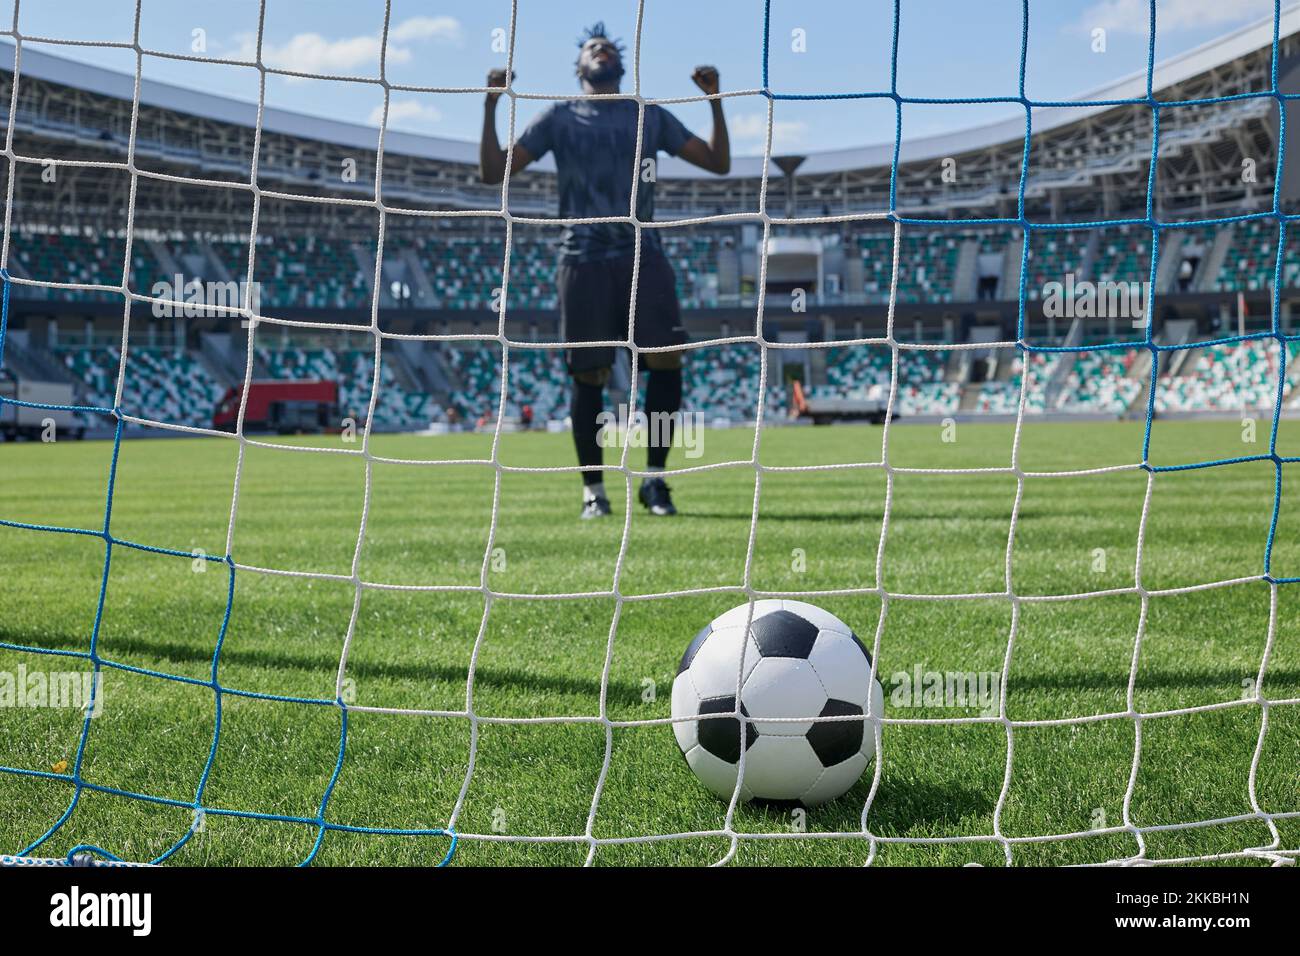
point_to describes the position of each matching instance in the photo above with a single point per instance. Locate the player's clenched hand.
(706, 78)
(496, 78)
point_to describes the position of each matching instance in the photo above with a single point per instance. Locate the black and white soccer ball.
(799, 662)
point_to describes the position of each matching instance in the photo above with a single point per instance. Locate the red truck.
(286, 407)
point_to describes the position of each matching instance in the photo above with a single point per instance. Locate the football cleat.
(597, 507)
(656, 496)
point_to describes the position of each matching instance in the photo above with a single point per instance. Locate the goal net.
(1259, 831)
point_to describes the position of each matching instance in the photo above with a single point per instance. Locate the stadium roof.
(1225, 49)
(1184, 66)
(58, 69)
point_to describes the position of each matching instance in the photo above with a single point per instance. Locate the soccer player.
(594, 142)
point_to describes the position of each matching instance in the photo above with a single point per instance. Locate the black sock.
(587, 403)
(663, 394)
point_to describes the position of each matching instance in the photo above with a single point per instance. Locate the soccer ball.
(800, 661)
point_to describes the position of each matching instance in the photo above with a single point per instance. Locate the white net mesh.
(1272, 850)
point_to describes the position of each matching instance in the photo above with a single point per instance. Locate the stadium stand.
(165, 385)
(859, 372)
(1053, 255)
(439, 275)
(1124, 255)
(1099, 382)
(1227, 378)
(85, 256)
(1252, 258)
(721, 382)
(1003, 397)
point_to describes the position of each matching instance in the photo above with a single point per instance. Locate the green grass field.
(428, 525)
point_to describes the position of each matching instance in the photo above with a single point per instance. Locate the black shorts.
(595, 298)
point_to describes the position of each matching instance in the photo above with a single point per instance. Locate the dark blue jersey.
(594, 142)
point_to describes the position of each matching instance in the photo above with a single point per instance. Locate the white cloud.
(751, 129)
(1133, 16)
(427, 28)
(406, 113)
(314, 53)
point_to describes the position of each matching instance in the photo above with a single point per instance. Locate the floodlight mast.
(788, 165)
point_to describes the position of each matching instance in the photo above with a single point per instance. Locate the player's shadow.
(1034, 513)
(267, 659)
(191, 653)
(930, 511)
(897, 809)
(521, 680)
(900, 808)
(812, 517)
(1192, 677)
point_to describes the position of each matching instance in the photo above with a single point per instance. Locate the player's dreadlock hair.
(597, 29)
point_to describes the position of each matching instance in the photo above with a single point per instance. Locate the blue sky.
(946, 48)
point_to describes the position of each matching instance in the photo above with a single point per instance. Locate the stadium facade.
(186, 191)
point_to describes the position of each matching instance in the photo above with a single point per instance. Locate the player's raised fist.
(496, 78)
(706, 78)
